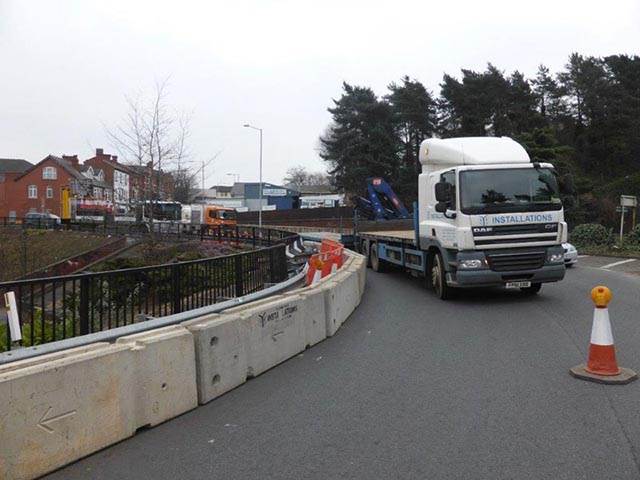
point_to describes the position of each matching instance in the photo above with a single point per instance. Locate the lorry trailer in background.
(486, 216)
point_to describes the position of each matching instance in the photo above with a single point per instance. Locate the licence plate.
(517, 284)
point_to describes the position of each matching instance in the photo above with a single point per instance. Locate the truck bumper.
(489, 278)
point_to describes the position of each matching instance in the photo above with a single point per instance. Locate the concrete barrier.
(275, 331)
(342, 296)
(221, 359)
(359, 266)
(60, 407)
(164, 374)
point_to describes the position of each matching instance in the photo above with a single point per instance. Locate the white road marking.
(615, 264)
(583, 256)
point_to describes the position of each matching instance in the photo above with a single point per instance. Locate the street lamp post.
(260, 206)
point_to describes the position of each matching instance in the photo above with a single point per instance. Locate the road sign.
(628, 200)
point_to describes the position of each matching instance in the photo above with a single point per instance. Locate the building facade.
(117, 176)
(40, 188)
(10, 169)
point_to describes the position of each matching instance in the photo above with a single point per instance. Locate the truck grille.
(519, 229)
(505, 262)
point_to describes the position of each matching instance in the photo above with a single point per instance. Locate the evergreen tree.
(361, 141)
(414, 117)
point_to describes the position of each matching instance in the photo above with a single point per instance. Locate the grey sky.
(66, 65)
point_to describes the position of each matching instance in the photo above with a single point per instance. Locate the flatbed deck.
(404, 236)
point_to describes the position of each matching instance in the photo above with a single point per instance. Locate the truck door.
(446, 227)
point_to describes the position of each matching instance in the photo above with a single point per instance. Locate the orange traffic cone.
(602, 366)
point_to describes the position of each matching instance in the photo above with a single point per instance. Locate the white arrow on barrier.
(45, 422)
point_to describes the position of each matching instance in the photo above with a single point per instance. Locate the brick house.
(145, 176)
(39, 188)
(10, 168)
(117, 176)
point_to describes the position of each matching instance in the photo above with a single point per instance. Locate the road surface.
(415, 388)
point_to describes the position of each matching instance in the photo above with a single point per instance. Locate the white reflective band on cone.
(601, 330)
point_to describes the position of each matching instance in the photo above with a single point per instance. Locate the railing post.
(238, 276)
(85, 285)
(253, 235)
(175, 288)
(237, 234)
(268, 236)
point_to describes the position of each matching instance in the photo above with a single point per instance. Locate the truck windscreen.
(508, 190)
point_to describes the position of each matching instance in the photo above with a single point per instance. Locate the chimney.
(72, 159)
(114, 158)
(99, 152)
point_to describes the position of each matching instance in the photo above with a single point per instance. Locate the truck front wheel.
(438, 278)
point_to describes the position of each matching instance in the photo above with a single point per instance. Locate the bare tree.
(300, 176)
(153, 138)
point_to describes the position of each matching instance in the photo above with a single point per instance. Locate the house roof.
(120, 166)
(14, 165)
(60, 162)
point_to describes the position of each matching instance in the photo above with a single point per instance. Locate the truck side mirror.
(441, 207)
(444, 192)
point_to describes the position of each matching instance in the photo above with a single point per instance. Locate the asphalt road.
(415, 388)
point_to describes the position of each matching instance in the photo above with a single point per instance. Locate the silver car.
(570, 254)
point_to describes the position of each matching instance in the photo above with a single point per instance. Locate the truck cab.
(488, 216)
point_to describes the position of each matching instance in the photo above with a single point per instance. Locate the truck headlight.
(471, 263)
(556, 258)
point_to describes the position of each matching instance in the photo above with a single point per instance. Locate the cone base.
(625, 376)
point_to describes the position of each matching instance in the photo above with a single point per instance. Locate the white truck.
(486, 216)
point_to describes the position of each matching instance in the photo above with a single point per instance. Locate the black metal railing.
(167, 230)
(62, 307)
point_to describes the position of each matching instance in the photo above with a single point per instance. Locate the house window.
(97, 192)
(107, 195)
(49, 192)
(32, 191)
(49, 173)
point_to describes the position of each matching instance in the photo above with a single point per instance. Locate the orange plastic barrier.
(331, 254)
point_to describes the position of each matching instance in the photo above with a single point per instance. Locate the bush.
(591, 234)
(633, 236)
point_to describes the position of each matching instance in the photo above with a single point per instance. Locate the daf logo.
(550, 226)
(482, 229)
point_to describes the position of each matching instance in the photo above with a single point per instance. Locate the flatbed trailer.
(398, 247)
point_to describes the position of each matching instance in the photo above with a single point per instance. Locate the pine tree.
(361, 141)
(414, 117)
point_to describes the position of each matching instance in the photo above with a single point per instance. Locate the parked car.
(38, 219)
(570, 254)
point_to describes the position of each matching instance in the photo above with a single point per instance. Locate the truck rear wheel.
(438, 278)
(376, 264)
